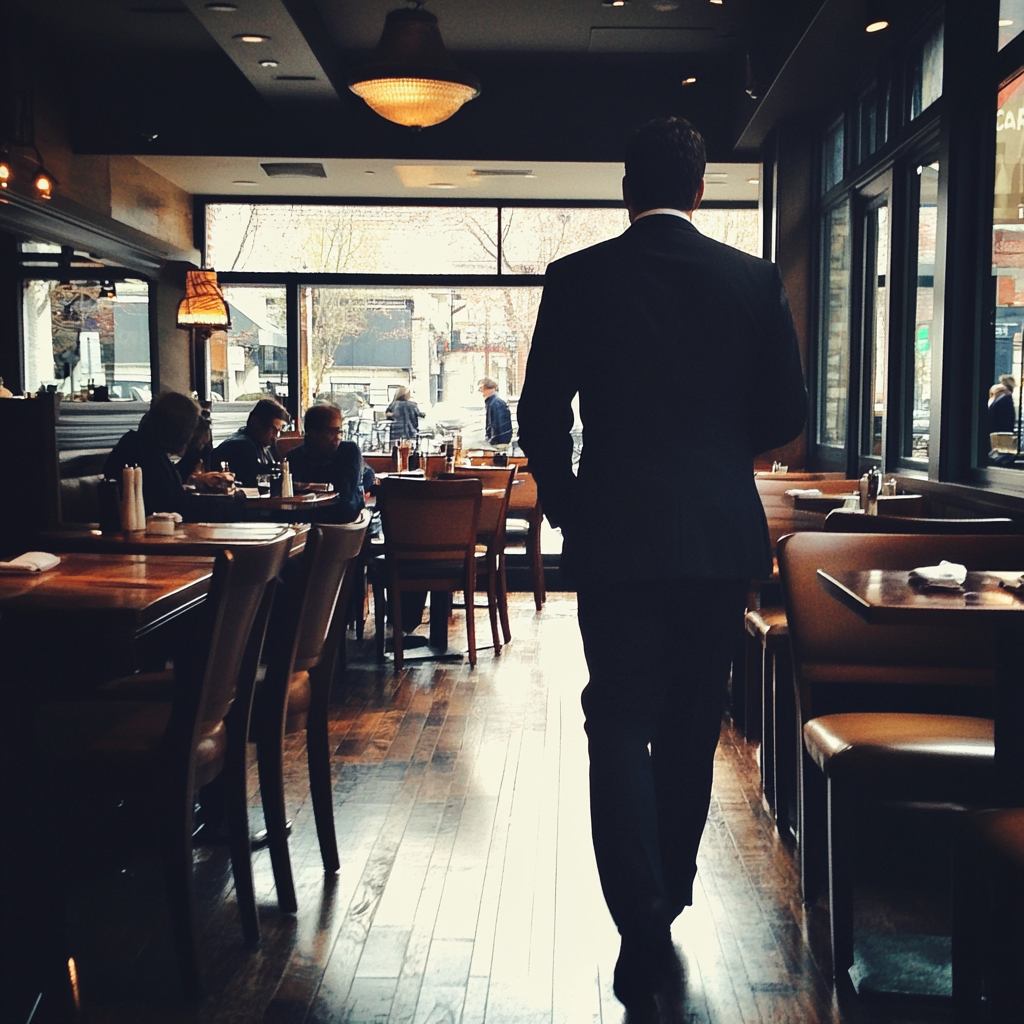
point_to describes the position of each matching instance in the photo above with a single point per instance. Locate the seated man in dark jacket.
(252, 451)
(324, 458)
(167, 429)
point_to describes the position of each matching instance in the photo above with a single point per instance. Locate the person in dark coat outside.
(659, 303)
(498, 423)
(1002, 416)
(405, 416)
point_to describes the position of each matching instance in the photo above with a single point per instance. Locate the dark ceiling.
(562, 79)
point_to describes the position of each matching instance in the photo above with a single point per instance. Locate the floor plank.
(467, 892)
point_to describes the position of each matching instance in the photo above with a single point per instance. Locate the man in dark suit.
(657, 320)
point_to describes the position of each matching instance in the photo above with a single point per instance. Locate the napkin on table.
(31, 561)
(947, 575)
(803, 492)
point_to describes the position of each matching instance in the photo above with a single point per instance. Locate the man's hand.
(213, 483)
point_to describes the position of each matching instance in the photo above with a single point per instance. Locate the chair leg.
(842, 836)
(471, 615)
(811, 831)
(321, 788)
(506, 629)
(378, 619)
(270, 759)
(787, 746)
(237, 813)
(396, 624)
(767, 751)
(177, 858)
(492, 608)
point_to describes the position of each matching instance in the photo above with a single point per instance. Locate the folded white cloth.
(31, 561)
(949, 575)
(807, 492)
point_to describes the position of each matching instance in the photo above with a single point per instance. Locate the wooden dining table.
(95, 615)
(187, 539)
(888, 504)
(887, 597)
(300, 508)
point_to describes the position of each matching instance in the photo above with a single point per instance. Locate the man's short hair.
(265, 411)
(319, 416)
(488, 382)
(171, 421)
(665, 161)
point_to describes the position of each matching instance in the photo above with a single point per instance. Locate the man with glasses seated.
(251, 451)
(324, 458)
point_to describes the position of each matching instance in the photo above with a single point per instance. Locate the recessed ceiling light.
(530, 175)
(242, 181)
(614, 3)
(251, 37)
(441, 184)
(1005, 22)
(665, 5)
(219, 6)
(716, 1)
(268, 63)
(877, 26)
(753, 181)
(689, 81)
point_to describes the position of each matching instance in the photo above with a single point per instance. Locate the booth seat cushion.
(909, 756)
(79, 499)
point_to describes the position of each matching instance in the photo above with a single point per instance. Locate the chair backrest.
(238, 599)
(842, 521)
(833, 645)
(286, 442)
(432, 465)
(430, 519)
(334, 551)
(524, 497)
(380, 463)
(492, 514)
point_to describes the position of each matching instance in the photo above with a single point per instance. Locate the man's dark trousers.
(659, 666)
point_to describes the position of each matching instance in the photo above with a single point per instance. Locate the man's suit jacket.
(685, 359)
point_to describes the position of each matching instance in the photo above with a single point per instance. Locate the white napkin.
(808, 492)
(948, 575)
(31, 561)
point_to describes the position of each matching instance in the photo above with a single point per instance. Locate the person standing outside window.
(659, 303)
(405, 416)
(498, 425)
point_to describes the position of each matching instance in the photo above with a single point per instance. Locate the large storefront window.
(88, 339)
(1000, 426)
(834, 374)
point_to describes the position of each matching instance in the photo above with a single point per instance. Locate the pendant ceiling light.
(412, 79)
(204, 304)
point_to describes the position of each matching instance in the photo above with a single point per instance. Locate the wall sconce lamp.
(412, 79)
(203, 310)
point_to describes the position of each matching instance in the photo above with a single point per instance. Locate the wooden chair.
(287, 442)
(157, 754)
(295, 693)
(523, 528)
(430, 530)
(380, 463)
(490, 564)
(866, 697)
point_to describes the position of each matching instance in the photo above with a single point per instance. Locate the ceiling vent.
(501, 172)
(292, 170)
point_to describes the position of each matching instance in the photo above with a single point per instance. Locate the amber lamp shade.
(204, 304)
(412, 80)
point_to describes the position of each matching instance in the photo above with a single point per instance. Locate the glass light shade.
(204, 304)
(414, 102)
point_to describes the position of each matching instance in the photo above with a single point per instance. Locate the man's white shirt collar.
(662, 209)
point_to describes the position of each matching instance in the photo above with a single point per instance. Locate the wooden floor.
(467, 892)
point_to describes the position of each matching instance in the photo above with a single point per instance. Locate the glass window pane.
(834, 380)
(360, 344)
(832, 151)
(739, 228)
(352, 239)
(1008, 270)
(916, 440)
(1011, 20)
(926, 81)
(876, 239)
(80, 335)
(533, 238)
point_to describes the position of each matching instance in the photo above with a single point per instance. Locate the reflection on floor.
(467, 892)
